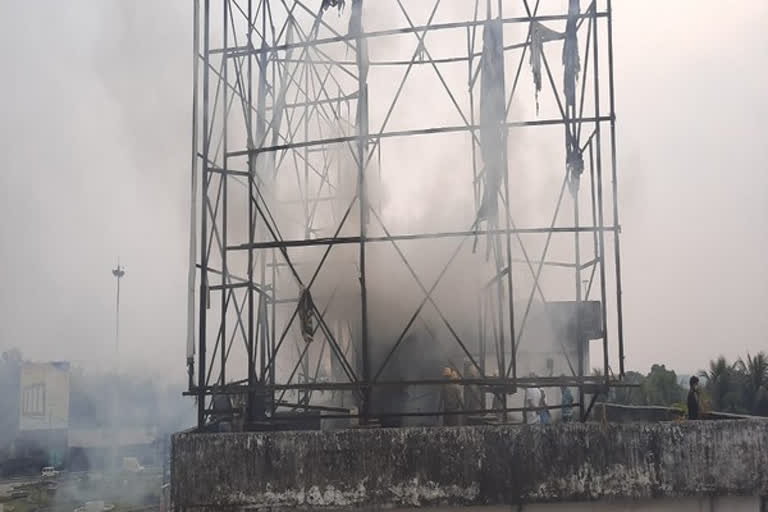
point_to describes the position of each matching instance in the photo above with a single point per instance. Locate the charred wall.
(469, 465)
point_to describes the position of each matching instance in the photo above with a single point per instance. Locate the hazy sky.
(95, 110)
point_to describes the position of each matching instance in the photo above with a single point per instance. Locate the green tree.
(725, 383)
(660, 387)
(755, 370)
(630, 395)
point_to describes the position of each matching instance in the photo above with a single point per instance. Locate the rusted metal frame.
(317, 369)
(494, 327)
(510, 285)
(234, 331)
(307, 59)
(233, 277)
(329, 59)
(275, 37)
(302, 193)
(340, 240)
(237, 387)
(191, 277)
(253, 337)
(598, 162)
(403, 133)
(427, 294)
(407, 30)
(221, 336)
(291, 134)
(295, 369)
(423, 46)
(248, 17)
(594, 219)
(220, 287)
(239, 79)
(335, 99)
(305, 417)
(202, 317)
(324, 175)
(526, 259)
(307, 227)
(316, 200)
(309, 407)
(571, 136)
(476, 73)
(292, 75)
(481, 332)
(336, 114)
(490, 382)
(400, 87)
(470, 89)
(214, 229)
(225, 201)
(317, 270)
(212, 121)
(325, 341)
(351, 375)
(522, 58)
(269, 123)
(540, 266)
(323, 23)
(383, 63)
(614, 189)
(266, 131)
(327, 161)
(418, 309)
(219, 339)
(362, 130)
(322, 109)
(584, 71)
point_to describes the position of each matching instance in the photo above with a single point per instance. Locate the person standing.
(532, 400)
(451, 400)
(474, 399)
(693, 398)
(566, 404)
(544, 415)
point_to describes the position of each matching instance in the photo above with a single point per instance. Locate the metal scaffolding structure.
(286, 150)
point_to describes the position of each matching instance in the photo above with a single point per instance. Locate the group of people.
(537, 410)
(457, 400)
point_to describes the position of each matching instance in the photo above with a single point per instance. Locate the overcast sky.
(95, 113)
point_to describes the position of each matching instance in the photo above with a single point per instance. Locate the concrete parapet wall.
(469, 465)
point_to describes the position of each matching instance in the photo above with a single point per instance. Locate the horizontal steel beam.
(422, 131)
(492, 383)
(417, 236)
(239, 51)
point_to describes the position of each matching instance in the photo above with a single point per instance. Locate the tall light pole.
(118, 272)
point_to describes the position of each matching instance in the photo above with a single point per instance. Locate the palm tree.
(755, 370)
(722, 384)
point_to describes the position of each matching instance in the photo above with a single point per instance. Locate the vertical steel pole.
(599, 168)
(362, 150)
(251, 228)
(510, 288)
(204, 225)
(616, 243)
(223, 178)
(193, 201)
(118, 273)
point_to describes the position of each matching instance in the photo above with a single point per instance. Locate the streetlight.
(118, 272)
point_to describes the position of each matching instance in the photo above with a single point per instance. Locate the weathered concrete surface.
(469, 465)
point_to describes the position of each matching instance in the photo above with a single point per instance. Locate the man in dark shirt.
(693, 398)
